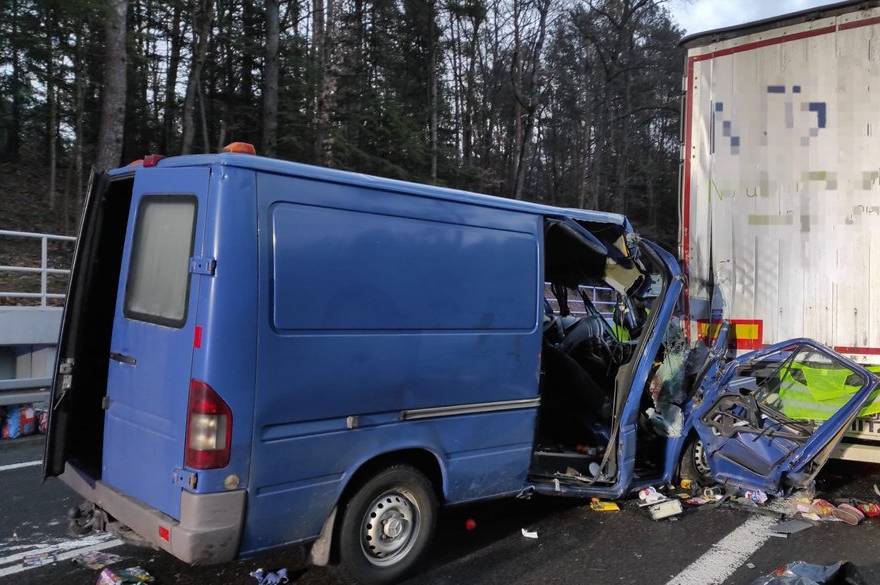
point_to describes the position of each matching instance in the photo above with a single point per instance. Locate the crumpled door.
(774, 416)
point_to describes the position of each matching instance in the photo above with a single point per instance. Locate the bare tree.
(528, 49)
(327, 87)
(270, 80)
(176, 32)
(203, 14)
(113, 103)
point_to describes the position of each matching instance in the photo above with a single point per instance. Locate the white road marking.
(63, 556)
(20, 465)
(728, 554)
(66, 549)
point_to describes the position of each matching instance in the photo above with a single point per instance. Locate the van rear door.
(153, 335)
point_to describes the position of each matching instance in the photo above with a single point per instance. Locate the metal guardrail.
(43, 270)
(30, 390)
(24, 390)
(604, 299)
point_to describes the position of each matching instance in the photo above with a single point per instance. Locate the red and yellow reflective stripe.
(744, 333)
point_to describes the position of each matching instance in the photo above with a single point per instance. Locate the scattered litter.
(702, 500)
(756, 496)
(869, 509)
(792, 527)
(595, 469)
(42, 418)
(19, 422)
(131, 575)
(822, 508)
(801, 573)
(96, 560)
(38, 560)
(750, 565)
(529, 533)
(849, 514)
(650, 495)
(470, 524)
(665, 509)
(597, 505)
(876, 489)
(686, 484)
(264, 578)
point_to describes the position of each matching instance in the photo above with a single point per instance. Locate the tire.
(693, 465)
(404, 501)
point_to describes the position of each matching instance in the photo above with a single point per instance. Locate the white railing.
(43, 270)
(604, 299)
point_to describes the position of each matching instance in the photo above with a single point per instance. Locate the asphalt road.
(575, 545)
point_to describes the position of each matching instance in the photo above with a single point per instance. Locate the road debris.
(131, 575)
(789, 527)
(801, 573)
(756, 496)
(18, 422)
(659, 505)
(650, 495)
(264, 578)
(529, 533)
(665, 509)
(822, 508)
(597, 505)
(38, 559)
(849, 514)
(96, 560)
(869, 509)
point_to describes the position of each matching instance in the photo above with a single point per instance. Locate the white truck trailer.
(780, 186)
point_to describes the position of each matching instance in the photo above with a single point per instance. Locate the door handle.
(122, 358)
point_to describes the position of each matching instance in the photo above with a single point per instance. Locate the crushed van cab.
(257, 353)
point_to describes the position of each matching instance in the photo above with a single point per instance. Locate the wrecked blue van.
(258, 353)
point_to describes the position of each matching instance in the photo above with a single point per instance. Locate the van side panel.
(227, 314)
(374, 305)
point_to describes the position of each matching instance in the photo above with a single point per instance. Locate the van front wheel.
(387, 525)
(695, 465)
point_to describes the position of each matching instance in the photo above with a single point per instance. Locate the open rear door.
(71, 396)
(776, 414)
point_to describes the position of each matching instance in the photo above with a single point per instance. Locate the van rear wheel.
(387, 525)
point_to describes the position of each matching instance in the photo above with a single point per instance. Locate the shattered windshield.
(667, 385)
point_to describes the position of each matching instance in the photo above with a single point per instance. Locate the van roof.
(293, 169)
(708, 37)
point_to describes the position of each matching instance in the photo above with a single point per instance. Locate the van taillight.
(208, 428)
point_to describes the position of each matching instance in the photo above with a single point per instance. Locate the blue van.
(258, 353)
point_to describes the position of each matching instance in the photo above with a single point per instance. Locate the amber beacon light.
(240, 148)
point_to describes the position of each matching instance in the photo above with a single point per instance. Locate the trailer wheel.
(694, 465)
(387, 525)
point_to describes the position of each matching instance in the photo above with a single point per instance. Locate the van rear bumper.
(208, 532)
